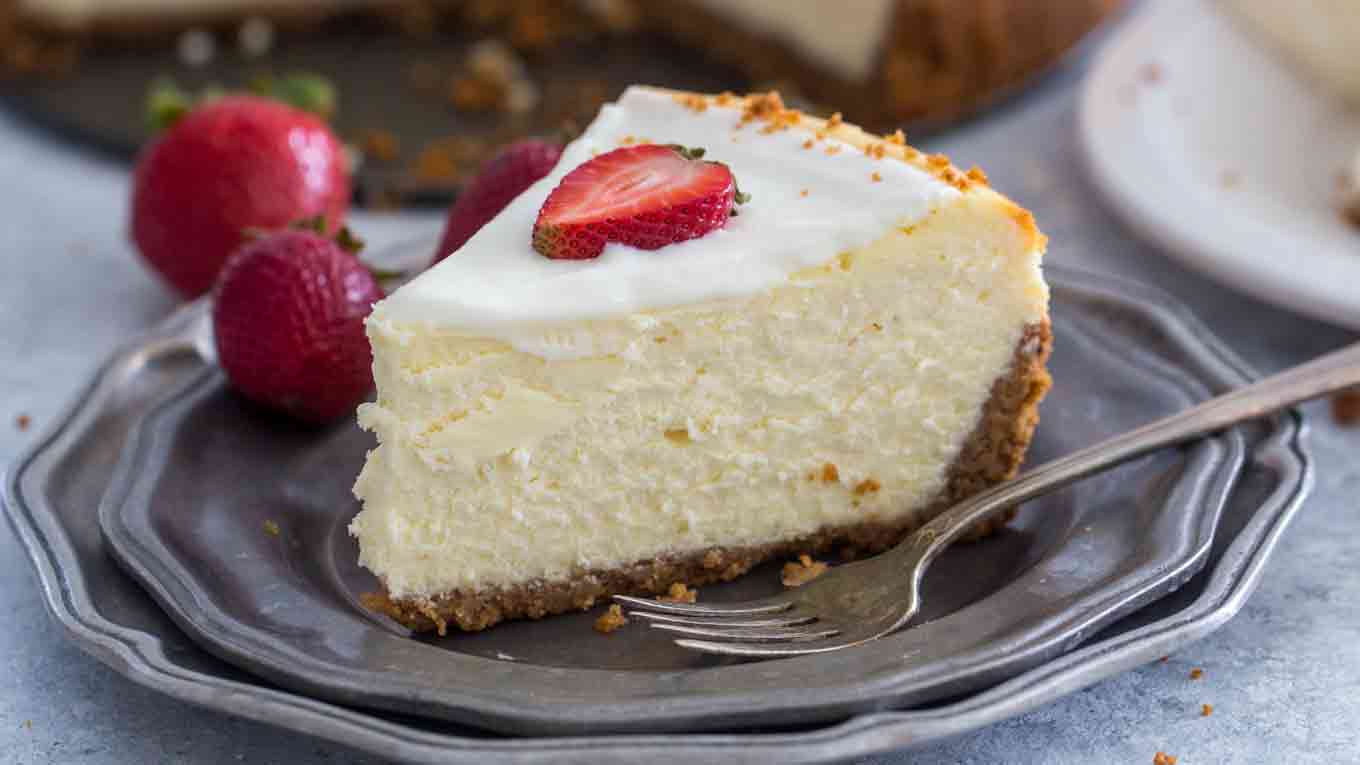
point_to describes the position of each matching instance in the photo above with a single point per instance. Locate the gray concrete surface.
(1283, 677)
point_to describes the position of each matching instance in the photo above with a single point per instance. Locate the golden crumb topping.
(693, 101)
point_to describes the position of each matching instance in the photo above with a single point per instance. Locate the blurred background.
(422, 90)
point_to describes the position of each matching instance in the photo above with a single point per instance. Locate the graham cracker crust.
(992, 453)
(938, 59)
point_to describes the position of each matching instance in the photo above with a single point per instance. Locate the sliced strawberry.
(642, 196)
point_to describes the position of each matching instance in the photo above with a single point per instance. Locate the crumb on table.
(1196, 673)
(1346, 407)
(800, 572)
(679, 593)
(1206, 709)
(271, 528)
(610, 620)
(382, 145)
(22, 422)
(1162, 758)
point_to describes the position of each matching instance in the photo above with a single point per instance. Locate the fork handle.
(1335, 371)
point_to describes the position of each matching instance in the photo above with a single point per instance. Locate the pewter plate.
(1017, 621)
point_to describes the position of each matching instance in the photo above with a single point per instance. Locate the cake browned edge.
(991, 454)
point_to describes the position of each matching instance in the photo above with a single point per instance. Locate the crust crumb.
(427, 610)
(1196, 673)
(23, 421)
(867, 486)
(834, 120)
(809, 143)
(382, 145)
(876, 177)
(1345, 407)
(679, 593)
(875, 150)
(896, 138)
(800, 572)
(1162, 758)
(610, 620)
(833, 150)
(830, 473)
(725, 98)
(803, 193)
(976, 175)
(1206, 709)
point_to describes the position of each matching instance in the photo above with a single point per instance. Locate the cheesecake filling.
(841, 397)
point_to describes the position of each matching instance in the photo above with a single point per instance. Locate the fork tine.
(751, 634)
(699, 621)
(771, 651)
(704, 609)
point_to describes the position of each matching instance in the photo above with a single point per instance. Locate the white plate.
(1205, 143)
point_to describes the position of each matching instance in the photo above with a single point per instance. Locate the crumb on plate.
(610, 620)
(679, 593)
(800, 572)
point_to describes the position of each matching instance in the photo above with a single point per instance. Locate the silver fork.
(858, 602)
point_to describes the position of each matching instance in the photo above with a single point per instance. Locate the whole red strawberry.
(236, 163)
(504, 177)
(643, 196)
(288, 319)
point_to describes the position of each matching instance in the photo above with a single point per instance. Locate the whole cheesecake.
(882, 60)
(860, 347)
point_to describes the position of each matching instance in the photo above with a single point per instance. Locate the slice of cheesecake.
(858, 348)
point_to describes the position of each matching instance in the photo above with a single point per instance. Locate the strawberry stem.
(308, 92)
(687, 152)
(167, 102)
